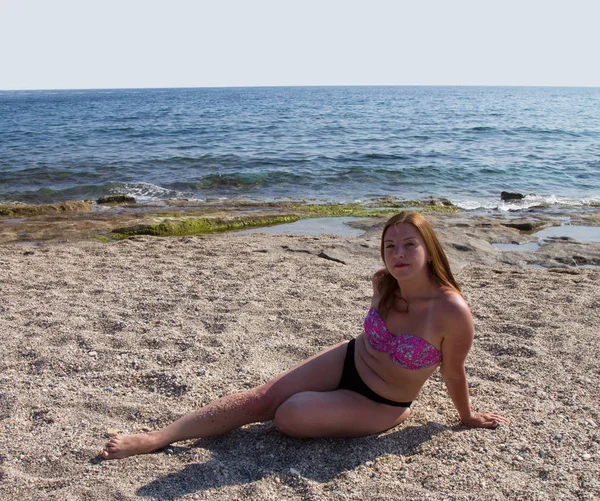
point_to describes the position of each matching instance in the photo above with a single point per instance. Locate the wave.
(529, 202)
(142, 192)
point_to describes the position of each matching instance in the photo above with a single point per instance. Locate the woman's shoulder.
(451, 303)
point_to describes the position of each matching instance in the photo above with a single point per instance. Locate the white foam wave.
(148, 192)
(525, 203)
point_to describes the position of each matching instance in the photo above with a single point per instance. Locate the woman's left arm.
(455, 348)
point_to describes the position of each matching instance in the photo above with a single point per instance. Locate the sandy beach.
(104, 338)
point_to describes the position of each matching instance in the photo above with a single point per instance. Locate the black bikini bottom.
(352, 381)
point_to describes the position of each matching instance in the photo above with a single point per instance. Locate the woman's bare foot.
(123, 446)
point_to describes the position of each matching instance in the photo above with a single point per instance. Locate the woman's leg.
(320, 373)
(339, 413)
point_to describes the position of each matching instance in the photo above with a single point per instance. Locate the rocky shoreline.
(470, 236)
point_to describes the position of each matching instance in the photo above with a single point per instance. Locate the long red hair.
(438, 267)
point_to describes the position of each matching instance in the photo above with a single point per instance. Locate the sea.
(321, 144)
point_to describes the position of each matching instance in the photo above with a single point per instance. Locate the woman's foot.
(123, 446)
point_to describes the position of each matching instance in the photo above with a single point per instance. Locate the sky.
(91, 44)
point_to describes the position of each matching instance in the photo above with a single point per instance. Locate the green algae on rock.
(177, 224)
(198, 226)
(388, 205)
(338, 210)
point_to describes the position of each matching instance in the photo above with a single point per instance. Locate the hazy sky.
(67, 44)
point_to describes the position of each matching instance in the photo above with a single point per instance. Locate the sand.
(125, 337)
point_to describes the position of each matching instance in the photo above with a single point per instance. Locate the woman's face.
(405, 252)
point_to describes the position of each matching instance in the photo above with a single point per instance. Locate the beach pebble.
(587, 457)
(519, 458)
(93, 353)
(295, 472)
(112, 432)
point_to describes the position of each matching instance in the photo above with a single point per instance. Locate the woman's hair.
(439, 268)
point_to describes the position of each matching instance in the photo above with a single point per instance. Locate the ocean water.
(346, 144)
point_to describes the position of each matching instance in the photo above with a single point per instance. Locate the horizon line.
(183, 87)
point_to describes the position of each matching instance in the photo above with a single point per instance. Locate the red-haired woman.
(418, 321)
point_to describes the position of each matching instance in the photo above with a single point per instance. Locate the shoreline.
(470, 237)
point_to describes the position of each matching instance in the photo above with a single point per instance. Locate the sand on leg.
(320, 373)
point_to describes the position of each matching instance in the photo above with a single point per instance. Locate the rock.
(133, 229)
(444, 202)
(525, 225)
(461, 247)
(11, 210)
(327, 255)
(507, 195)
(574, 260)
(112, 432)
(116, 199)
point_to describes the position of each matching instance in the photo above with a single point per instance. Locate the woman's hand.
(485, 420)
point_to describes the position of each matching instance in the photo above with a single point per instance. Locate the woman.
(418, 321)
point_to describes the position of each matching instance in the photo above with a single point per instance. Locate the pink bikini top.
(409, 352)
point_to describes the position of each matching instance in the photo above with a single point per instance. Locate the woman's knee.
(290, 417)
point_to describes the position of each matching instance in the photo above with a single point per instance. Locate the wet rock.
(12, 210)
(116, 199)
(525, 225)
(138, 228)
(438, 202)
(508, 195)
(575, 260)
